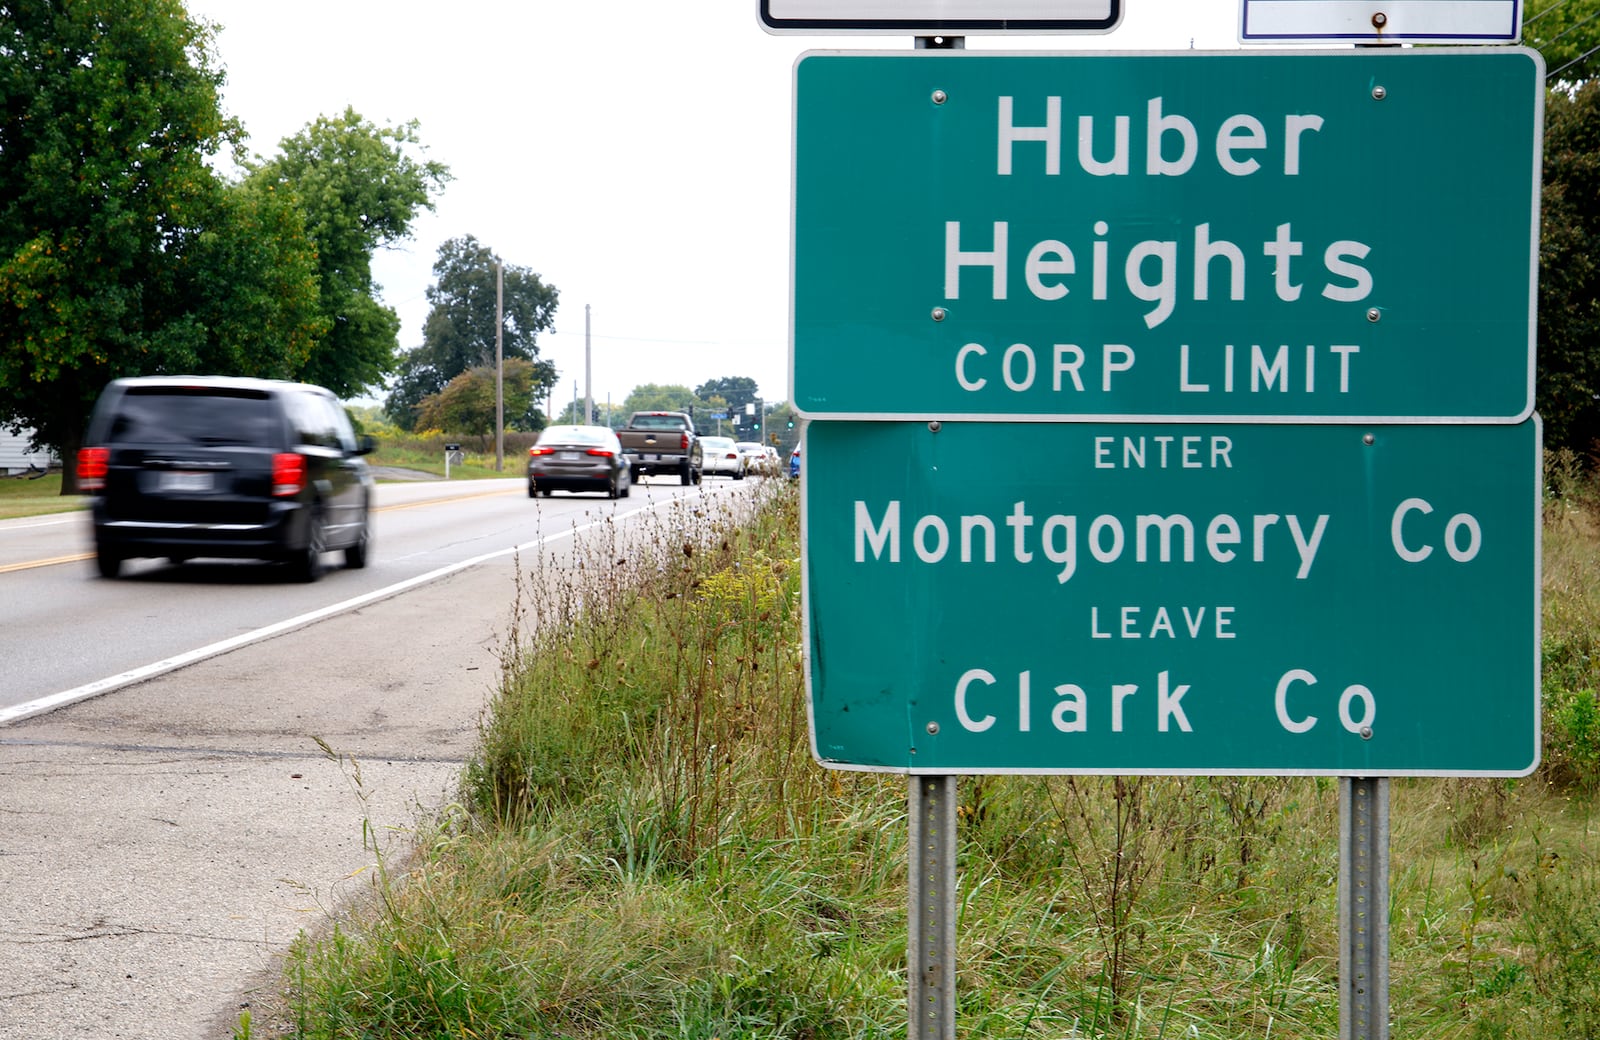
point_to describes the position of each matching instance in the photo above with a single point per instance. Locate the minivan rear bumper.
(283, 533)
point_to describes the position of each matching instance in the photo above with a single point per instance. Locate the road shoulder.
(165, 844)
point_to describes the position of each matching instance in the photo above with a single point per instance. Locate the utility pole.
(499, 371)
(588, 386)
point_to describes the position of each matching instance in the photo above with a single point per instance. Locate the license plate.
(569, 456)
(190, 482)
(652, 458)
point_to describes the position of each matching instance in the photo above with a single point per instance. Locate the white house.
(15, 457)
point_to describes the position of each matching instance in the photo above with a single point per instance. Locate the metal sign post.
(931, 920)
(1364, 908)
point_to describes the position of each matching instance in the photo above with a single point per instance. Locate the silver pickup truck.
(662, 442)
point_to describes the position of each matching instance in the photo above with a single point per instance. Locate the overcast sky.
(633, 153)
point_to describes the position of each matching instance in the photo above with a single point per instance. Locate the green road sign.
(1279, 236)
(1203, 598)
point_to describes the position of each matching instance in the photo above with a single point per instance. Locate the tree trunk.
(69, 463)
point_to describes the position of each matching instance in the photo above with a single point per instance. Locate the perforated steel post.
(931, 1000)
(1363, 908)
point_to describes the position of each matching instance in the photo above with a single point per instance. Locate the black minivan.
(213, 466)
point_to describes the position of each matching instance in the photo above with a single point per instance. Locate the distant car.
(721, 455)
(578, 458)
(755, 458)
(192, 467)
(794, 462)
(661, 443)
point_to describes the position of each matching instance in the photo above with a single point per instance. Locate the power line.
(1585, 56)
(1575, 25)
(680, 342)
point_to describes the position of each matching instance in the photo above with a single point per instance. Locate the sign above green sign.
(1203, 598)
(1352, 21)
(924, 17)
(1282, 236)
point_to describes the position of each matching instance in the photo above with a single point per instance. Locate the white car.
(722, 456)
(755, 458)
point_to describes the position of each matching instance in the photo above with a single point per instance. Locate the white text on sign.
(975, 702)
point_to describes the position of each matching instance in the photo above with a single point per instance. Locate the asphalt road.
(163, 844)
(69, 634)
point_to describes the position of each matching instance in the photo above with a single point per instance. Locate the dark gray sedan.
(578, 458)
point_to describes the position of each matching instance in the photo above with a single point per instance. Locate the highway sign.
(1254, 236)
(1395, 21)
(1343, 600)
(940, 17)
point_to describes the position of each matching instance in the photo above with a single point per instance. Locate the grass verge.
(643, 847)
(24, 496)
(21, 496)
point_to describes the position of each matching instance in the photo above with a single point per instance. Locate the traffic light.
(791, 424)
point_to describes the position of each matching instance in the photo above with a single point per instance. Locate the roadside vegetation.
(420, 452)
(643, 847)
(424, 450)
(25, 496)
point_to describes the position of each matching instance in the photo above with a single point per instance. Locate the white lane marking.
(54, 520)
(18, 712)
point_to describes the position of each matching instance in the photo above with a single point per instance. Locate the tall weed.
(646, 848)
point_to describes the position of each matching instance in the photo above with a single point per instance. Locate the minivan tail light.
(288, 474)
(92, 466)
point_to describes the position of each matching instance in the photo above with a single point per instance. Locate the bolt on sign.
(1254, 236)
(1204, 598)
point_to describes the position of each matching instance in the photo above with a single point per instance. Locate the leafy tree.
(601, 415)
(110, 218)
(1569, 271)
(1567, 34)
(467, 403)
(250, 279)
(736, 391)
(653, 397)
(782, 428)
(460, 329)
(360, 186)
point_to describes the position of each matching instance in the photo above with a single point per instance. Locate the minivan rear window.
(574, 435)
(171, 415)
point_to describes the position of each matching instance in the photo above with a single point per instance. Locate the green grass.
(20, 497)
(425, 453)
(643, 847)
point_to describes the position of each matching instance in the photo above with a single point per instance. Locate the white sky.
(635, 154)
